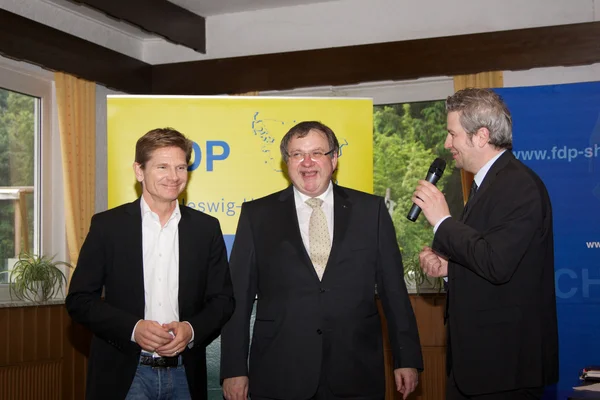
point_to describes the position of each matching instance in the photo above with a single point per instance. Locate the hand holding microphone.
(428, 197)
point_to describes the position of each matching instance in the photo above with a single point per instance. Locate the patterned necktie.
(471, 195)
(472, 191)
(319, 241)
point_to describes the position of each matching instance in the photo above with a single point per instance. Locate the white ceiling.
(205, 8)
(208, 8)
(247, 28)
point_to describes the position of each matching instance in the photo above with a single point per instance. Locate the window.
(19, 222)
(31, 190)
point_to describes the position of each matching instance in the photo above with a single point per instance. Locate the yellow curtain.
(77, 123)
(482, 80)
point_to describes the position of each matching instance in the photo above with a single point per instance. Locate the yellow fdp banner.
(236, 154)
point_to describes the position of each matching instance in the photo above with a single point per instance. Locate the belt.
(161, 362)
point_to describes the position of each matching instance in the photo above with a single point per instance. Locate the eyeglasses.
(315, 155)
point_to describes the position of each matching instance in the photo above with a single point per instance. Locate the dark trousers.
(323, 393)
(454, 393)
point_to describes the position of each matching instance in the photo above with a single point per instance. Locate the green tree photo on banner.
(406, 139)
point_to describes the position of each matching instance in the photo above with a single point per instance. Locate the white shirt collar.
(484, 170)
(146, 210)
(326, 196)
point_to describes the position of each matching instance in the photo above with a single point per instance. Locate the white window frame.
(35, 81)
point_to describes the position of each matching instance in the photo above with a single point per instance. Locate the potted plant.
(417, 279)
(36, 278)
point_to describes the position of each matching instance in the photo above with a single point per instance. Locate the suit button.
(319, 331)
(321, 290)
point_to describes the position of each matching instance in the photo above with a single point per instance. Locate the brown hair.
(159, 138)
(302, 129)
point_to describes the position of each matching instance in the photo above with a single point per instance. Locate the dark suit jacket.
(111, 257)
(502, 310)
(305, 327)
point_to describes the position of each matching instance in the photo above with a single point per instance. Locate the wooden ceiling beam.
(160, 17)
(563, 45)
(26, 40)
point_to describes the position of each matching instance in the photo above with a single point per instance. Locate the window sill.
(424, 290)
(8, 303)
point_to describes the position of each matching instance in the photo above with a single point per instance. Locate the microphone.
(433, 176)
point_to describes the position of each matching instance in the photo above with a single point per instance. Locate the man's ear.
(334, 161)
(139, 173)
(482, 137)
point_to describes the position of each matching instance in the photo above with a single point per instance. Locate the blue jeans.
(159, 384)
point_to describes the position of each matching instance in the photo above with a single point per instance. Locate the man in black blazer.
(167, 289)
(498, 259)
(317, 333)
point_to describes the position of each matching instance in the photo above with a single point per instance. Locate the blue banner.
(556, 132)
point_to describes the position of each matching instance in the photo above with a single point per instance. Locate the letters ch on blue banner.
(556, 132)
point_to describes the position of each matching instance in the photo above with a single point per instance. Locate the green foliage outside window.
(406, 139)
(17, 140)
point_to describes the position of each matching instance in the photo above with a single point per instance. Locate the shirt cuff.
(191, 343)
(133, 333)
(435, 228)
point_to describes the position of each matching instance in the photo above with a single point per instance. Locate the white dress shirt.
(304, 211)
(160, 246)
(160, 252)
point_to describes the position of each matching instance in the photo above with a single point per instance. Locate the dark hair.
(483, 108)
(160, 138)
(302, 129)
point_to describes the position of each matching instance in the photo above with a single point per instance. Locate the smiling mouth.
(308, 174)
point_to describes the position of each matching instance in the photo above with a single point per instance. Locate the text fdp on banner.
(557, 134)
(236, 154)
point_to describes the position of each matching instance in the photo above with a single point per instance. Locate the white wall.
(101, 198)
(331, 24)
(438, 88)
(321, 25)
(424, 89)
(551, 76)
(352, 22)
(86, 24)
